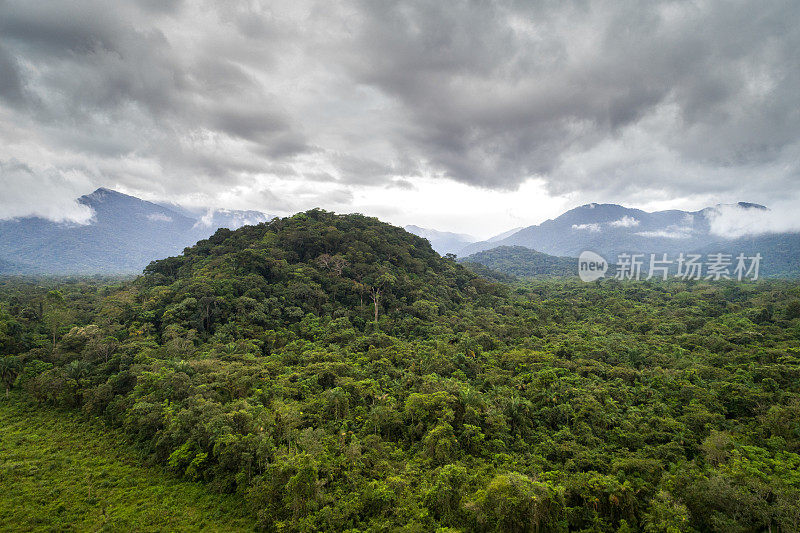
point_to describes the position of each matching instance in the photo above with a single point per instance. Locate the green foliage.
(521, 261)
(9, 370)
(334, 373)
(62, 473)
(514, 503)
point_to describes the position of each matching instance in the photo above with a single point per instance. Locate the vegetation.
(335, 373)
(62, 473)
(523, 262)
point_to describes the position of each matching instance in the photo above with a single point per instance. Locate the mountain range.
(611, 230)
(123, 236)
(445, 242)
(126, 233)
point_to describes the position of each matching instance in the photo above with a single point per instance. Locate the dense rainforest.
(521, 261)
(336, 374)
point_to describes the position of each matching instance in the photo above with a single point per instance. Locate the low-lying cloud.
(594, 228)
(22, 194)
(733, 221)
(625, 222)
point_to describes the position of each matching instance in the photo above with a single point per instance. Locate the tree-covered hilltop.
(255, 363)
(523, 262)
(314, 262)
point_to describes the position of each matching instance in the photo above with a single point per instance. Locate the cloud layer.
(22, 194)
(733, 221)
(280, 105)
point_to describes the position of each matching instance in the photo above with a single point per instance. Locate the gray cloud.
(732, 220)
(501, 91)
(10, 81)
(617, 99)
(112, 86)
(22, 199)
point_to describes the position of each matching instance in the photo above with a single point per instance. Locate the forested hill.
(254, 363)
(314, 262)
(522, 261)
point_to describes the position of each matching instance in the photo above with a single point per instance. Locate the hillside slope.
(123, 236)
(524, 262)
(255, 362)
(611, 229)
(313, 262)
(61, 472)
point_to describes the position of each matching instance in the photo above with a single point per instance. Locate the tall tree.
(56, 314)
(9, 370)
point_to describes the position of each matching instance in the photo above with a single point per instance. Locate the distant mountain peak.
(611, 229)
(750, 205)
(740, 205)
(442, 241)
(103, 194)
(595, 205)
(124, 234)
(422, 232)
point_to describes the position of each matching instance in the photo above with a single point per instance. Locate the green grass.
(59, 472)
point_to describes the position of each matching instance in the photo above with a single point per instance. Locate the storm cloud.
(623, 99)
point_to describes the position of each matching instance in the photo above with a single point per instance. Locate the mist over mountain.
(444, 242)
(607, 228)
(611, 229)
(220, 217)
(124, 235)
(503, 235)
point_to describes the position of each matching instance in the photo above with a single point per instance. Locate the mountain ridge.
(615, 229)
(444, 242)
(520, 261)
(124, 234)
(611, 230)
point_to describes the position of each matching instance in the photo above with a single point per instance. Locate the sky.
(473, 117)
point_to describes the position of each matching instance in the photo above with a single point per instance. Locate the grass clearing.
(60, 472)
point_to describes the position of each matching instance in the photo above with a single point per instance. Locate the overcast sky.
(463, 116)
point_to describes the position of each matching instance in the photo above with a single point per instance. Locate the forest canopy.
(335, 373)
